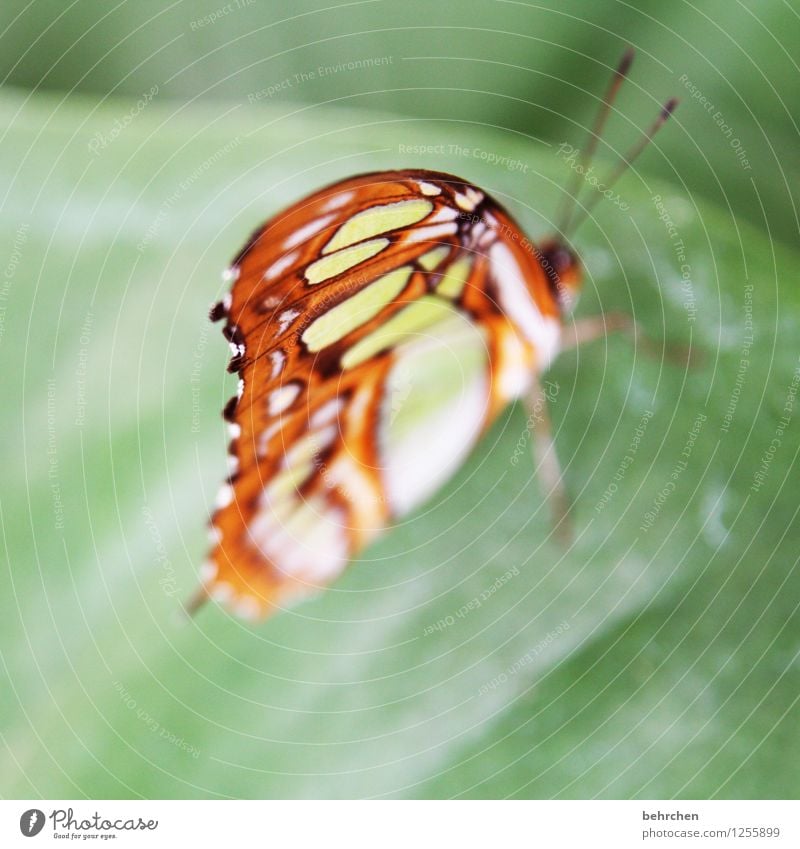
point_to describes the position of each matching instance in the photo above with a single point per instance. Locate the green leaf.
(534, 67)
(466, 652)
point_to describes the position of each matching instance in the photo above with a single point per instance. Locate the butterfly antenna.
(570, 201)
(630, 157)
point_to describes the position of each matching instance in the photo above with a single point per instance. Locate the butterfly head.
(563, 270)
(560, 264)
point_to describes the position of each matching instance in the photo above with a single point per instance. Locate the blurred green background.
(657, 657)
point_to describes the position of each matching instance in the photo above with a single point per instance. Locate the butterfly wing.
(373, 346)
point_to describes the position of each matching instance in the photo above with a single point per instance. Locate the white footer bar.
(401, 824)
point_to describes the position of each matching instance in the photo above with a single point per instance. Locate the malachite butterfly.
(411, 285)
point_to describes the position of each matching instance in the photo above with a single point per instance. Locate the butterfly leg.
(579, 332)
(545, 459)
(584, 330)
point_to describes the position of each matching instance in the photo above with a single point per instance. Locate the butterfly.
(378, 327)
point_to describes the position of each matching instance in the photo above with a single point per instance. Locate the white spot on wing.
(282, 398)
(247, 607)
(338, 200)
(266, 437)
(348, 476)
(222, 591)
(309, 447)
(325, 436)
(307, 231)
(231, 275)
(307, 543)
(286, 318)
(280, 265)
(428, 188)
(446, 213)
(465, 203)
(224, 496)
(277, 358)
(208, 571)
(432, 232)
(326, 413)
(486, 238)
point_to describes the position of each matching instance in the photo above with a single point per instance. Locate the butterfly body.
(378, 327)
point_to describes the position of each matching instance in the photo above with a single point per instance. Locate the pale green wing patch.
(340, 320)
(433, 259)
(378, 219)
(434, 407)
(455, 278)
(423, 313)
(329, 266)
